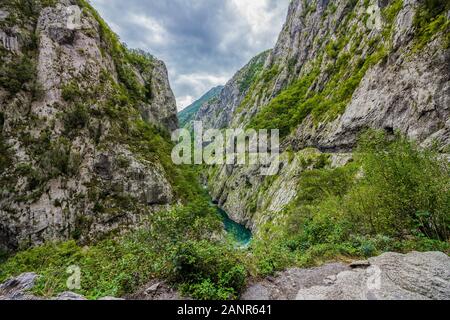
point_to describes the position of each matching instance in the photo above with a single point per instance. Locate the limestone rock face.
(73, 127)
(406, 90)
(391, 276)
(16, 288)
(220, 112)
(162, 109)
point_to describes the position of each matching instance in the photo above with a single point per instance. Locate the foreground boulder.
(391, 276)
(16, 288)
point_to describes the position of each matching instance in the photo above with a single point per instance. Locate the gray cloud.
(203, 42)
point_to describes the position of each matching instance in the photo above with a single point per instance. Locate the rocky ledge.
(391, 276)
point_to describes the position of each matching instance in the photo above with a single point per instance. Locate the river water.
(241, 234)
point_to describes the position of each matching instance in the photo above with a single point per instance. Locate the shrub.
(393, 197)
(208, 271)
(14, 75)
(76, 119)
(71, 92)
(405, 188)
(430, 19)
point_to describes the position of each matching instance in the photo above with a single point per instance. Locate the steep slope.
(218, 113)
(84, 127)
(337, 69)
(187, 115)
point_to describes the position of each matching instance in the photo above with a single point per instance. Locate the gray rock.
(3, 14)
(68, 54)
(70, 296)
(285, 285)
(16, 288)
(391, 276)
(10, 43)
(219, 113)
(155, 290)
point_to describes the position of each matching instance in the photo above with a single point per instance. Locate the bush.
(76, 119)
(404, 189)
(208, 271)
(394, 197)
(431, 19)
(71, 92)
(14, 75)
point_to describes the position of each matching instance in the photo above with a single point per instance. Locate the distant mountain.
(188, 114)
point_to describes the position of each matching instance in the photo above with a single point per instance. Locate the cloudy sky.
(203, 42)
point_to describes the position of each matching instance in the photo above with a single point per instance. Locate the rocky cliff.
(218, 113)
(84, 125)
(338, 68)
(187, 115)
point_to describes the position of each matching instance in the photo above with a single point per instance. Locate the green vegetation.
(252, 71)
(174, 248)
(393, 197)
(78, 118)
(15, 74)
(295, 103)
(187, 115)
(430, 20)
(344, 72)
(71, 92)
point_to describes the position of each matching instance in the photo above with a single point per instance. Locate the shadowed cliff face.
(83, 121)
(338, 69)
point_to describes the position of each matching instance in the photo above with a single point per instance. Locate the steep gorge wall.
(79, 116)
(338, 68)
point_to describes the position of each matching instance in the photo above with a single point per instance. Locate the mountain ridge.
(187, 115)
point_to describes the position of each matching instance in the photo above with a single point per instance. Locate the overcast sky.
(202, 42)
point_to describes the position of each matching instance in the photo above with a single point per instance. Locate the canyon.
(360, 93)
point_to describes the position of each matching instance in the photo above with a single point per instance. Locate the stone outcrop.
(391, 276)
(19, 289)
(219, 112)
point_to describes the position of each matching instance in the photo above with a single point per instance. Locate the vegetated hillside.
(187, 115)
(85, 126)
(335, 72)
(218, 113)
(85, 158)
